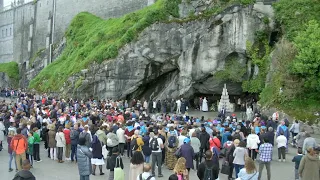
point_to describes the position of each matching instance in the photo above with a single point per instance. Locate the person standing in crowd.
(36, 145)
(52, 142)
(84, 156)
(239, 154)
(171, 147)
(282, 128)
(136, 165)
(146, 147)
(30, 150)
(215, 142)
(122, 139)
(208, 169)
(74, 137)
(113, 161)
(180, 169)
(156, 145)
(181, 138)
(269, 135)
(308, 142)
(195, 143)
(66, 133)
(265, 152)
(300, 137)
(61, 143)
(295, 129)
(297, 159)
(146, 173)
(310, 165)
(11, 134)
(112, 141)
(97, 158)
(25, 172)
(2, 130)
(188, 153)
(86, 135)
(249, 172)
(229, 150)
(281, 141)
(252, 144)
(204, 140)
(129, 131)
(19, 145)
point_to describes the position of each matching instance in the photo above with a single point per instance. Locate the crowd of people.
(96, 133)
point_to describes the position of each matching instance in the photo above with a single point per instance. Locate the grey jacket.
(84, 156)
(300, 139)
(87, 136)
(114, 139)
(308, 142)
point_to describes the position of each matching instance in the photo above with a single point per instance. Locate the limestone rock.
(5, 81)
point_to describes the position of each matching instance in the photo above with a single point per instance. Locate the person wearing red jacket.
(128, 133)
(66, 133)
(19, 145)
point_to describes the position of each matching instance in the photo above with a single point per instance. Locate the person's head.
(194, 134)
(281, 133)
(308, 134)
(60, 129)
(311, 151)
(26, 164)
(180, 166)
(242, 144)
(214, 133)
(173, 177)
(249, 165)
(253, 131)
(270, 129)
(236, 142)
(146, 167)
(11, 133)
(299, 150)
(186, 141)
(266, 140)
(229, 138)
(19, 131)
(82, 141)
(296, 121)
(67, 126)
(208, 155)
(35, 129)
(115, 150)
(30, 133)
(75, 126)
(137, 158)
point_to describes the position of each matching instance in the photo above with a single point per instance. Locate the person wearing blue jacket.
(282, 128)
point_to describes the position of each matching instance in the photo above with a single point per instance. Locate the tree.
(307, 62)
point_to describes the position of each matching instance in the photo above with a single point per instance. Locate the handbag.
(225, 169)
(178, 153)
(118, 171)
(104, 152)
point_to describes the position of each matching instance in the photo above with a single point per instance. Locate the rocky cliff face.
(5, 81)
(169, 60)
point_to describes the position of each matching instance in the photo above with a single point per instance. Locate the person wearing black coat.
(112, 162)
(204, 141)
(209, 163)
(146, 148)
(270, 135)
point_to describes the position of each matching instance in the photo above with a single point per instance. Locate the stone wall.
(27, 28)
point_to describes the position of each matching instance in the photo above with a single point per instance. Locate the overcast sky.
(7, 2)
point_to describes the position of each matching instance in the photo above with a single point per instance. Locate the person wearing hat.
(188, 153)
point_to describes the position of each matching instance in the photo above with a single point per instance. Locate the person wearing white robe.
(204, 105)
(178, 106)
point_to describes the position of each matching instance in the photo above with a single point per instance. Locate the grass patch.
(11, 69)
(90, 38)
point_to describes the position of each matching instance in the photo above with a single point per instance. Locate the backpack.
(140, 177)
(208, 173)
(237, 136)
(172, 141)
(154, 144)
(134, 144)
(72, 134)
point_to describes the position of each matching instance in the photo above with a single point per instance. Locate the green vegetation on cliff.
(11, 69)
(296, 61)
(90, 38)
